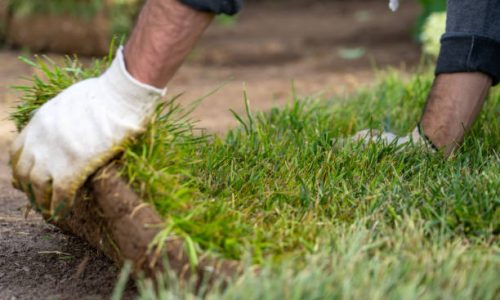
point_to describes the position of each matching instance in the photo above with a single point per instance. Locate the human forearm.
(467, 66)
(54, 155)
(165, 33)
(453, 105)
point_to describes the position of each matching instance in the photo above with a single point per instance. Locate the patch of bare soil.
(38, 261)
(269, 47)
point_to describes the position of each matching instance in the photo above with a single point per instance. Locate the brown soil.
(112, 218)
(268, 48)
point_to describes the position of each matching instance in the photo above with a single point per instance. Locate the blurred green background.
(113, 18)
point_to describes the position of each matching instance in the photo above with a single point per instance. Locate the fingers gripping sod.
(77, 132)
(368, 136)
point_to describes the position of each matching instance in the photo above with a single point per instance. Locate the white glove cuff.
(420, 139)
(121, 82)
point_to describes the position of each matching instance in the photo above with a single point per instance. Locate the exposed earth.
(323, 48)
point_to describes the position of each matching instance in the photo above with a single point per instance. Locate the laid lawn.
(324, 218)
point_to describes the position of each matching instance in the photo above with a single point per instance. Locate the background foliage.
(123, 12)
(428, 7)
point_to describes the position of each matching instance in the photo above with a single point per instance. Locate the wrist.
(165, 33)
(118, 79)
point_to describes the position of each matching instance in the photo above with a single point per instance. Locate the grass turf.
(324, 219)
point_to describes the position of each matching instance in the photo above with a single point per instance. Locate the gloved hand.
(367, 136)
(77, 132)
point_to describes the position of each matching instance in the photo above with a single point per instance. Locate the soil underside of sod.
(275, 187)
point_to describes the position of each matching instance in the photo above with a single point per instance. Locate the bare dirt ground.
(269, 47)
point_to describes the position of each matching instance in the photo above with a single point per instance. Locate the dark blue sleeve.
(472, 39)
(227, 7)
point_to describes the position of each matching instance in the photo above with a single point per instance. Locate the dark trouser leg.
(469, 63)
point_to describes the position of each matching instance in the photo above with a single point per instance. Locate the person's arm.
(454, 102)
(468, 65)
(86, 125)
(165, 33)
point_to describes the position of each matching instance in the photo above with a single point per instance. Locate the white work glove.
(367, 136)
(77, 132)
